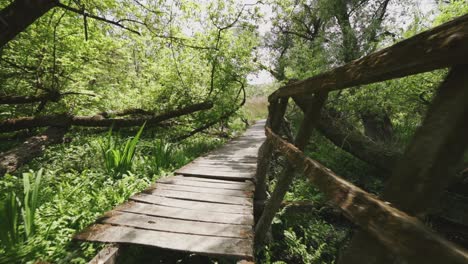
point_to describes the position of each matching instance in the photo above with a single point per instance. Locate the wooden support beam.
(429, 164)
(286, 176)
(276, 112)
(440, 47)
(402, 234)
(107, 255)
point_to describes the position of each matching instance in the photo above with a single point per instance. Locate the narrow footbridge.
(206, 208)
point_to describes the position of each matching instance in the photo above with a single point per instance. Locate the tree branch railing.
(392, 225)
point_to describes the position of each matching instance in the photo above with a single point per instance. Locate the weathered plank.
(217, 246)
(222, 162)
(202, 197)
(207, 214)
(217, 174)
(185, 214)
(227, 192)
(192, 205)
(238, 186)
(178, 226)
(223, 167)
(440, 47)
(107, 255)
(247, 183)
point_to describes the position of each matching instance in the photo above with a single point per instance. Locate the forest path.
(206, 208)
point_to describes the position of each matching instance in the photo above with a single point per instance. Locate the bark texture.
(17, 16)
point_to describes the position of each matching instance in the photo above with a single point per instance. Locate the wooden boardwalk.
(206, 208)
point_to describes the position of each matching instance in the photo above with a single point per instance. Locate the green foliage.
(162, 156)
(304, 237)
(17, 224)
(31, 199)
(9, 223)
(76, 189)
(451, 10)
(119, 159)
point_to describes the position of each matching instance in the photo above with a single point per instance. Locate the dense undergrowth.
(77, 187)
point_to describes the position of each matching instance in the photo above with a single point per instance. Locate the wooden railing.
(422, 173)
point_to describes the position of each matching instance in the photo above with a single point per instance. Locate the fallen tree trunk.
(203, 127)
(351, 141)
(31, 148)
(131, 111)
(25, 99)
(64, 120)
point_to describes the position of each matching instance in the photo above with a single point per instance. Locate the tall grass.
(162, 155)
(118, 158)
(17, 222)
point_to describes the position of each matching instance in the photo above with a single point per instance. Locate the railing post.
(286, 175)
(276, 111)
(428, 165)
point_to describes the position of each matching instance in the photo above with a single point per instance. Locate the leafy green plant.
(31, 198)
(162, 155)
(9, 223)
(119, 159)
(14, 229)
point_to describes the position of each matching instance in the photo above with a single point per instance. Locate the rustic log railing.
(418, 179)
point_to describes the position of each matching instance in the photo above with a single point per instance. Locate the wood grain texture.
(185, 214)
(200, 206)
(207, 184)
(216, 246)
(227, 192)
(178, 226)
(202, 197)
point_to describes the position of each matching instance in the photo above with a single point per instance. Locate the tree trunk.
(354, 142)
(17, 16)
(97, 120)
(378, 127)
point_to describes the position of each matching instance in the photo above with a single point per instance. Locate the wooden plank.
(231, 158)
(107, 255)
(178, 226)
(185, 214)
(241, 166)
(202, 197)
(216, 174)
(193, 169)
(217, 246)
(239, 186)
(247, 183)
(223, 162)
(200, 206)
(235, 193)
(223, 168)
